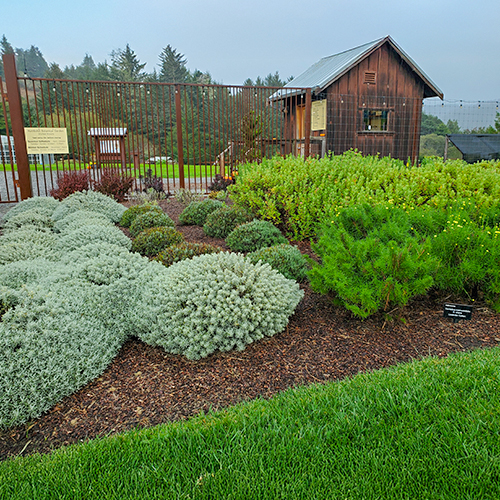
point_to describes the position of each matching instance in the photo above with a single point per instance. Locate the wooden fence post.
(307, 125)
(17, 121)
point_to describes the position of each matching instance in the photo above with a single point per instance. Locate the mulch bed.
(144, 386)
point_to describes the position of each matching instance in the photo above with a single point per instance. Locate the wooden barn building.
(369, 98)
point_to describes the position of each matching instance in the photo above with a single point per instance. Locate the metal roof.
(476, 147)
(323, 73)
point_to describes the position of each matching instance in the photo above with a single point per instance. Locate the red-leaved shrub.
(70, 182)
(114, 183)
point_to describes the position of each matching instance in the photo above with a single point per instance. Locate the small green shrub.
(285, 258)
(371, 260)
(35, 217)
(43, 204)
(196, 212)
(150, 219)
(70, 182)
(223, 220)
(216, 302)
(131, 213)
(254, 235)
(114, 183)
(92, 201)
(152, 241)
(182, 251)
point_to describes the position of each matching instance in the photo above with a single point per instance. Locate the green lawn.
(423, 430)
(171, 170)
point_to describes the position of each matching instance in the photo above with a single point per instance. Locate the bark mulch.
(144, 386)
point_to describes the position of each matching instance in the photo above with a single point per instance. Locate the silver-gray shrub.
(34, 217)
(91, 201)
(28, 242)
(81, 218)
(45, 204)
(92, 233)
(217, 302)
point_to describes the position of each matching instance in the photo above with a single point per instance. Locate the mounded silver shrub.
(91, 201)
(44, 204)
(81, 218)
(217, 302)
(28, 242)
(92, 233)
(34, 217)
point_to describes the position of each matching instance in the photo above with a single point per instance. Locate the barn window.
(375, 120)
(370, 77)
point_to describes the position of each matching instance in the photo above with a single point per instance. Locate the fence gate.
(184, 134)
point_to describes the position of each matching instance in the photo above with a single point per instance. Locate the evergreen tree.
(5, 48)
(31, 62)
(173, 66)
(54, 71)
(125, 65)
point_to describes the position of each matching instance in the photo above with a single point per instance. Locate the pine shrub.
(196, 212)
(182, 251)
(70, 182)
(150, 219)
(223, 220)
(114, 183)
(254, 235)
(217, 302)
(371, 260)
(285, 258)
(91, 201)
(131, 213)
(152, 241)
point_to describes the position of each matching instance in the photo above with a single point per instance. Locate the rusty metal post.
(16, 116)
(307, 125)
(180, 147)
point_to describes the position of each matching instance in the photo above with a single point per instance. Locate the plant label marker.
(457, 312)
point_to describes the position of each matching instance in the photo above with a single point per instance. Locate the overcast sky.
(457, 44)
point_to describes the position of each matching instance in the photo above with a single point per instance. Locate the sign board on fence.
(46, 140)
(457, 311)
(318, 115)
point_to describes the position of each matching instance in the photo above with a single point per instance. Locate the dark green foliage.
(372, 260)
(223, 220)
(175, 253)
(285, 258)
(114, 183)
(253, 236)
(70, 182)
(196, 212)
(131, 213)
(152, 241)
(220, 183)
(151, 181)
(150, 219)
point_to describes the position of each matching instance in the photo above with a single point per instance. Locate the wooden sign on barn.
(367, 98)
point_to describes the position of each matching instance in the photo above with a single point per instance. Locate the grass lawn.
(423, 430)
(160, 170)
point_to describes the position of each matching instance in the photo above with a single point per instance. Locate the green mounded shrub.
(35, 217)
(92, 233)
(196, 212)
(182, 251)
(285, 258)
(371, 260)
(217, 302)
(223, 220)
(43, 204)
(80, 218)
(91, 201)
(131, 213)
(148, 220)
(254, 235)
(152, 241)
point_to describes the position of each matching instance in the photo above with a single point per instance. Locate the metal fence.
(184, 134)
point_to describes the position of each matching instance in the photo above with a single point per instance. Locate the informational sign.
(457, 311)
(318, 115)
(46, 140)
